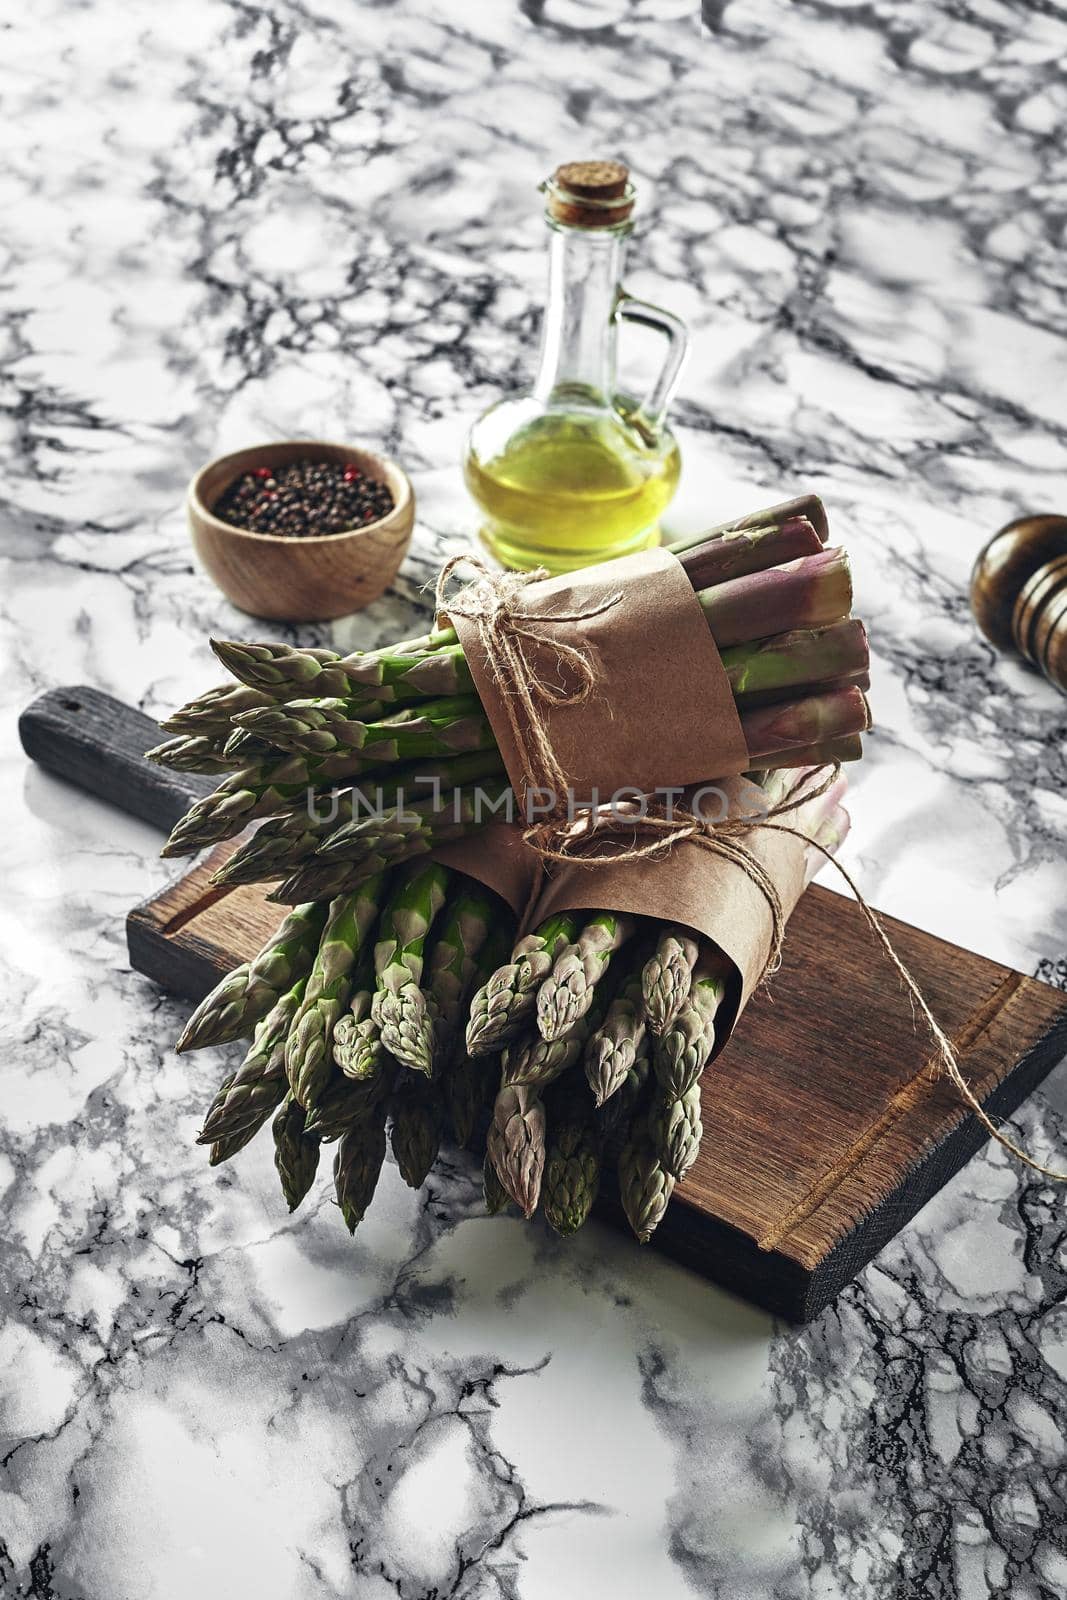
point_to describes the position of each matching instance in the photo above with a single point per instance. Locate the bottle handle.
(651, 414)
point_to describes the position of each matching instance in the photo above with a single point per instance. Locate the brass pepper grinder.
(1019, 593)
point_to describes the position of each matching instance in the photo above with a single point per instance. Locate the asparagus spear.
(668, 976)
(357, 1046)
(567, 993)
(516, 1145)
(223, 1149)
(470, 1081)
(308, 1061)
(418, 1118)
(249, 1095)
(326, 728)
(572, 1161)
(496, 1196)
(212, 713)
(392, 844)
(612, 1049)
(356, 1167)
(685, 1045)
(808, 506)
(500, 1008)
(281, 785)
(282, 844)
(296, 1153)
(735, 554)
(245, 995)
(192, 752)
(621, 1105)
(849, 747)
(645, 1185)
(801, 723)
(346, 1101)
(399, 1007)
(282, 672)
(808, 593)
(789, 663)
(675, 1128)
(453, 961)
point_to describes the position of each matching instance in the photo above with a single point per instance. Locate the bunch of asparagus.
(355, 1012)
(360, 762)
(604, 1025)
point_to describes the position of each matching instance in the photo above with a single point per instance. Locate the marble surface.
(225, 222)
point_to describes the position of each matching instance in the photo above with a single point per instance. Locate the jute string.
(493, 604)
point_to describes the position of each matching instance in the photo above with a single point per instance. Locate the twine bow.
(493, 603)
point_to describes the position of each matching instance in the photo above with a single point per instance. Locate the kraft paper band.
(661, 713)
(499, 859)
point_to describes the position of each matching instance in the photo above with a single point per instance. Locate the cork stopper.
(589, 194)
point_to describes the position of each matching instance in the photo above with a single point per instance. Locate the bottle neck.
(578, 339)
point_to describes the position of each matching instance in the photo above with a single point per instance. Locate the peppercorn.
(304, 499)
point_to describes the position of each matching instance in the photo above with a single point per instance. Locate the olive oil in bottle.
(573, 472)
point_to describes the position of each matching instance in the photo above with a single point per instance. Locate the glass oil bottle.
(572, 471)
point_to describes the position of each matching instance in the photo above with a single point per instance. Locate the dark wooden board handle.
(97, 743)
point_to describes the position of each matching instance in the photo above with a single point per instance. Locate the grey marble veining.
(224, 222)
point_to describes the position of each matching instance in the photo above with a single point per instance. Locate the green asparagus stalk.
(496, 1196)
(612, 1049)
(296, 1153)
(245, 995)
(212, 713)
(328, 727)
(645, 1185)
(537, 1062)
(284, 843)
(283, 672)
(618, 1109)
(453, 962)
(357, 1045)
(572, 1160)
(567, 993)
(809, 593)
(516, 1145)
(736, 554)
(264, 787)
(804, 722)
(790, 663)
(308, 1059)
(192, 752)
(501, 1008)
(418, 1118)
(675, 1128)
(399, 1007)
(470, 1081)
(224, 1149)
(668, 976)
(249, 1095)
(849, 747)
(808, 506)
(684, 1047)
(393, 844)
(357, 1165)
(346, 1101)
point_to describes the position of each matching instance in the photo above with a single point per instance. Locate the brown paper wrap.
(661, 713)
(692, 885)
(497, 857)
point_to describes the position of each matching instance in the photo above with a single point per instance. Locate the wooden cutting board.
(826, 1125)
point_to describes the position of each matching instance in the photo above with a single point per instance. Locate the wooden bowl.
(300, 580)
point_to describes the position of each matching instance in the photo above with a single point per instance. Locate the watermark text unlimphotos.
(425, 799)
